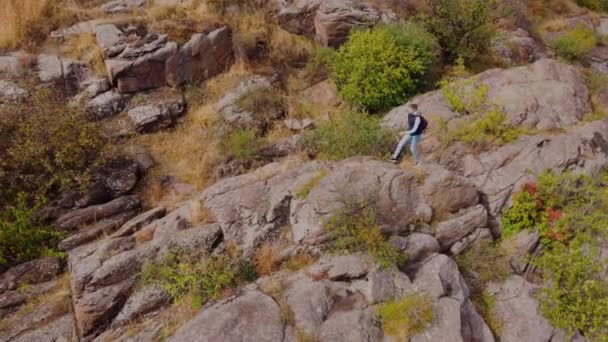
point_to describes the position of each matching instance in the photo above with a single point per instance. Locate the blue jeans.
(413, 140)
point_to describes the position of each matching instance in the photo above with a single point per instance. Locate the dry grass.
(267, 258)
(57, 300)
(84, 47)
(27, 23)
(190, 152)
(200, 213)
(174, 317)
(299, 260)
(145, 235)
(555, 25)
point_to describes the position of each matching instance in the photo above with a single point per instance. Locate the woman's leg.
(414, 147)
(406, 138)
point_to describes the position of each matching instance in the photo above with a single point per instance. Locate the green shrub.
(576, 298)
(463, 27)
(484, 123)
(47, 145)
(242, 144)
(382, 67)
(201, 277)
(570, 212)
(354, 229)
(596, 5)
(575, 43)
(23, 237)
(406, 316)
(350, 134)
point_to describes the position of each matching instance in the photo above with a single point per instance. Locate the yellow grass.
(84, 47)
(268, 258)
(190, 152)
(17, 15)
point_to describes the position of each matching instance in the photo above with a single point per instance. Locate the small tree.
(463, 27)
(384, 66)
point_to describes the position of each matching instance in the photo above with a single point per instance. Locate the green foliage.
(23, 237)
(382, 67)
(350, 134)
(308, 186)
(200, 277)
(576, 297)
(484, 304)
(484, 123)
(406, 316)
(575, 43)
(354, 229)
(463, 27)
(595, 5)
(570, 212)
(242, 143)
(317, 68)
(47, 145)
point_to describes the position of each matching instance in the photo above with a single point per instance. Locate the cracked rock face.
(544, 95)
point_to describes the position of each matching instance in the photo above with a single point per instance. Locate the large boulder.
(518, 312)
(66, 74)
(544, 95)
(107, 104)
(78, 218)
(251, 317)
(31, 272)
(230, 106)
(158, 110)
(503, 171)
(454, 229)
(328, 22)
(201, 58)
(135, 59)
(455, 316)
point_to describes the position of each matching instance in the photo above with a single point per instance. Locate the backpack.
(423, 124)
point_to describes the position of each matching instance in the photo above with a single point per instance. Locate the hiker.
(417, 124)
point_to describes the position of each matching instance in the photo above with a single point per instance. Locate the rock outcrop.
(328, 22)
(544, 95)
(137, 60)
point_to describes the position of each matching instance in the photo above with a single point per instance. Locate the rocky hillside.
(206, 170)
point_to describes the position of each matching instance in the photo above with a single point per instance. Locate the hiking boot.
(393, 160)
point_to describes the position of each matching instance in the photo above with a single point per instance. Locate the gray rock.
(106, 226)
(10, 301)
(204, 56)
(381, 285)
(544, 95)
(447, 192)
(80, 217)
(64, 73)
(252, 317)
(107, 104)
(138, 222)
(503, 171)
(10, 92)
(31, 272)
(342, 267)
(310, 302)
(518, 311)
(418, 247)
(451, 231)
(329, 22)
(58, 330)
(160, 111)
(76, 29)
(228, 106)
(134, 61)
(279, 149)
(117, 6)
(516, 47)
(142, 302)
(455, 315)
(298, 124)
(466, 242)
(12, 63)
(95, 309)
(353, 326)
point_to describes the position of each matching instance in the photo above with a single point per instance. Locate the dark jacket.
(411, 120)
